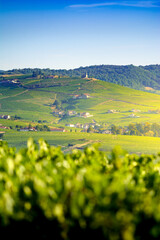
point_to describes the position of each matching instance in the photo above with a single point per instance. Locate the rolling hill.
(137, 77)
(32, 101)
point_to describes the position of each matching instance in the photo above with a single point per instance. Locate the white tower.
(86, 75)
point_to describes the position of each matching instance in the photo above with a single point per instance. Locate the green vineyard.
(80, 195)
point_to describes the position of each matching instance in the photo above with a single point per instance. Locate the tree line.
(138, 129)
(132, 76)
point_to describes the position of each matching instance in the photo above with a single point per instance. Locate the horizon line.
(81, 67)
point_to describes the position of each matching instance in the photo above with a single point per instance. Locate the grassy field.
(133, 144)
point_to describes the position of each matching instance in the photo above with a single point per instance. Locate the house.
(27, 129)
(70, 125)
(33, 129)
(133, 116)
(59, 113)
(71, 113)
(4, 127)
(85, 115)
(14, 81)
(79, 125)
(51, 76)
(5, 117)
(86, 126)
(76, 96)
(24, 129)
(82, 96)
(92, 125)
(85, 96)
(135, 110)
(57, 130)
(106, 132)
(112, 111)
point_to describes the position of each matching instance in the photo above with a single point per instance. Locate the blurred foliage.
(50, 195)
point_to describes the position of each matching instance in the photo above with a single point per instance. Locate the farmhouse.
(82, 96)
(57, 130)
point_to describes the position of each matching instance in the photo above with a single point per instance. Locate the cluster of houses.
(134, 111)
(27, 129)
(71, 113)
(117, 111)
(62, 113)
(84, 115)
(84, 126)
(5, 117)
(131, 115)
(33, 129)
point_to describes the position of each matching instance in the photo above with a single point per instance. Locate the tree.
(90, 129)
(57, 103)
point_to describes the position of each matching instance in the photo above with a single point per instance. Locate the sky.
(69, 34)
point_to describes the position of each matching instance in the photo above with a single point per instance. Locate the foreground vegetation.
(81, 195)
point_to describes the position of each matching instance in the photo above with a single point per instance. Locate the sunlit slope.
(33, 100)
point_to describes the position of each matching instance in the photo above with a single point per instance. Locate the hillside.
(131, 76)
(32, 99)
(71, 103)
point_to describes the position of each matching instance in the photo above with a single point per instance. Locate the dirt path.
(15, 94)
(110, 100)
(79, 145)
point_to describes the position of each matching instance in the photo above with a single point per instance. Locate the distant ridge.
(137, 77)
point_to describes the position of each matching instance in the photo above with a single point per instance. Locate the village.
(90, 127)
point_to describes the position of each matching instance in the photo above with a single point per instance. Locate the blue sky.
(68, 34)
